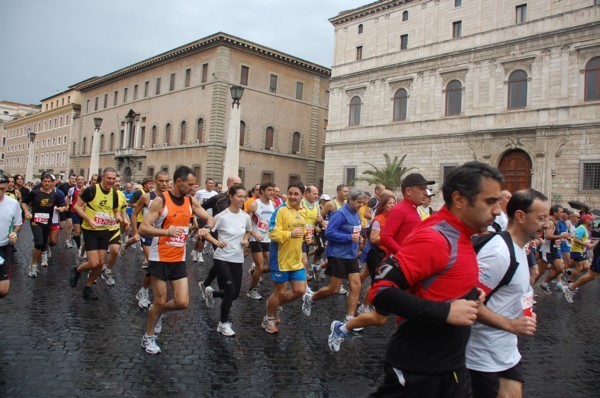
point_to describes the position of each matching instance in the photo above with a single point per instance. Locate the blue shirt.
(339, 232)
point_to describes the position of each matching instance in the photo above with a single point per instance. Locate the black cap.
(3, 178)
(415, 179)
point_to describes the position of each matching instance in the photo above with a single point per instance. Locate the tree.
(390, 175)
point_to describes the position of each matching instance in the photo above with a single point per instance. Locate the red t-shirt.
(403, 219)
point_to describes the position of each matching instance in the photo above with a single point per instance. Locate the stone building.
(52, 128)
(512, 83)
(10, 110)
(173, 109)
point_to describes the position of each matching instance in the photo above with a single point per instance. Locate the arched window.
(592, 80)
(517, 90)
(153, 135)
(74, 148)
(84, 145)
(52, 159)
(400, 104)
(183, 132)
(296, 143)
(101, 142)
(242, 132)
(355, 105)
(360, 29)
(453, 98)
(405, 16)
(111, 143)
(269, 137)
(168, 134)
(200, 132)
(64, 157)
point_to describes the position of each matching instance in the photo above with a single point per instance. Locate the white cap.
(325, 197)
(429, 193)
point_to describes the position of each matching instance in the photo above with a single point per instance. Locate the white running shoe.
(194, 256)
(307, 304)
(253, 294)
(44, 261)
(225, 329)
(32, 270)
(143, 298)
(337, 337)
(210, 300)
(149, 344)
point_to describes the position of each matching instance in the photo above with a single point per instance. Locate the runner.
(287, 230)
(114, 243)
(313, 219)
(582, 243)
(260, 212)
(234, 227)
(65, 188)
(167, 222)
(202, 196)
(10, 225)
(98, 207)
(550, 250)
(73, 196)
(147, 186)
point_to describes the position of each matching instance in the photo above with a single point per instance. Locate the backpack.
(480, 241)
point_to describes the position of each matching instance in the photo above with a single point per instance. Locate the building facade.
(173, 109)
(51, 128)
(8, 111)
(514, 84)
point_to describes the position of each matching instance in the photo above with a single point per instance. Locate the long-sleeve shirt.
(285, 251)
(403, 219)
(342, 224)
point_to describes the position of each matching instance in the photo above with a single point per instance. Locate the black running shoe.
(89, 293)
(74, 276)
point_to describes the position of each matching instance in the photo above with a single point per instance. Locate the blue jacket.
(339, 233)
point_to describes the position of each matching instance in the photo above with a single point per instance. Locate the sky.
(48, 45)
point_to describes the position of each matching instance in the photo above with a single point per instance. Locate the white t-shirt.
(203, 195)
(231, 228)
(10, 215)
(502, 220)
(490, 349)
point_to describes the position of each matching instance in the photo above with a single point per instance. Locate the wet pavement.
(56, 344)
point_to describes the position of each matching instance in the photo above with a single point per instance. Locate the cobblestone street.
(56, 344)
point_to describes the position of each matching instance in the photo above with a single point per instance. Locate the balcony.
(130, 153)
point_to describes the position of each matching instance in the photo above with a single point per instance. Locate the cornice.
(42, 115)
(372, 8)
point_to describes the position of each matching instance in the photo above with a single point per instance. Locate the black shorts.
(167, 271)
(67, 214)
(373, 260)
(96, 240)
(259, 247)
(40, 232)
(487, 384)
(6, 254)
(115, 237)
(62, 216)
(342, 267)
(304, 247)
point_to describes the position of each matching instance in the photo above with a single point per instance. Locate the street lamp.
(29, 171)
(95, 158)
(231, 162)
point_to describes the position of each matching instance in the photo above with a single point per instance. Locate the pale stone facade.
(53, 129)
(173, 109)
(556, 130)
(8, 111)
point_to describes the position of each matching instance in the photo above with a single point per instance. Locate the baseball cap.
(325, 197)
(415, 179)
(3, 178)
(429, 193)
(586, 217)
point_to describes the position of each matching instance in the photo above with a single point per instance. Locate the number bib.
(262, 226)
(104, 219)
(178, 241)
(41, 218)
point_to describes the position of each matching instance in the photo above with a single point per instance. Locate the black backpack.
(479, 241)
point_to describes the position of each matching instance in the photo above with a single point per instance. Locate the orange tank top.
(171, 249)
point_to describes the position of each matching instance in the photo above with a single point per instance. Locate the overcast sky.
(48, 45)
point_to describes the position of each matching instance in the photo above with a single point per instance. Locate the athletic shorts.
(115, 237)
(487, 384)
(288, 276)
(578, 257)
(62, 216)
(40, 232)
(67, 214)
(398, 384)
(75, 218)
(54, 227)
(96, 240)
(596, 265)
(550, 257)
(259, 247)
(167, 271)
(341, 267)
(5, 253)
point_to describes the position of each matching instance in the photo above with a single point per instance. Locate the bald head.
(233, 180)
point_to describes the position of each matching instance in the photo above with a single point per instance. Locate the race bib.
(357, 229)
(41, 218)
(310, 229)
(262, 226)
(178, 241)
(104, 219)
(527, 303)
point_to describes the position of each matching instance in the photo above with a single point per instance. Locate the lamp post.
(231, 163)
(95, 158)
(29, 171)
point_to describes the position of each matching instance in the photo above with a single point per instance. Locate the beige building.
(52, 128)
(512, 83)
(9, 111)
(173, 109)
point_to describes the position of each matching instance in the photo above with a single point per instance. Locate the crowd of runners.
(459, 281)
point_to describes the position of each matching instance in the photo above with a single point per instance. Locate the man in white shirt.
(202, 196)
(493, 358)
(10, 224)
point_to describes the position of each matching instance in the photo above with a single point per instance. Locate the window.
(355, 105)
(198, 171)
(400, 104)
(517, 90)
(183, 132)
(143, 136)
(296, 143)
(135, 92)
(273, 84)
(299, 90)
(242, 132)
(590, 176)
(521, 15)
(592, 80)
(168, 134)
(157, 86)
(153, 135)
(446, 169)
(204, 73)
(172, 83)
(457, 3)
(150, 171)
(358, 53)
(96, 104)
(404, 16)
(403, 42)
(453, 98)
(105, 100)
(360, 29)
(456, 29)
(111, 142)
(266, 176)
(349, 176)
(87, 107)
(101, 142)
(125, 92)
(269, 138)
(146, 88)
(244, 75)
(200, 131)
(73, 149)
(294, 178)
(84, 145)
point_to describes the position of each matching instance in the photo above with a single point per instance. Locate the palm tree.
(390, 175)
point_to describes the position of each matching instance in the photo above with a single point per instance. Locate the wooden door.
(516, 166)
